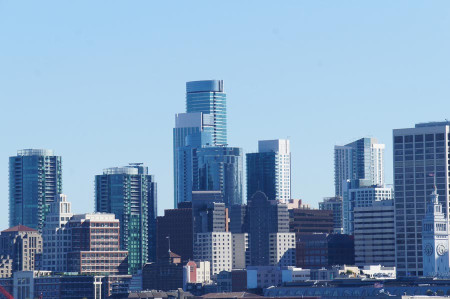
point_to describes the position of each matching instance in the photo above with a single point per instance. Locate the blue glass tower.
(208, 97)
(205, 112)
(35, 178)
(185, 125)
(210, 168)
(130, 193)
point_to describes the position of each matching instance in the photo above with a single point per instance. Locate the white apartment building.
(282, 249)
(215, 247)
(55, 235)
(361, 159)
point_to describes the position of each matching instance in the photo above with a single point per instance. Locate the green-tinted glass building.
(35, 178)
(130, 193)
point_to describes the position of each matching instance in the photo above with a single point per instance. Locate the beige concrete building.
(21, 244)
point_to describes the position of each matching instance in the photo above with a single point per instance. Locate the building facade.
(210, 168)
(374, 232)
(185, 125)
(176, 227)
(312, 251)
(130, 194)
(360, 193)
(361, 159)
(35, 178)
(269, 170)
(421, 158)
(265, 217)
(209, 213)
(308, 221)
(205, 114)
(435, 240)
(209, 97)
(164, 275)
(238, 219)
(22, 244)
(196, 272)
(282, 249)
(95, 246)
(56, 237)
(215, 247)
(241, 253)
(334, 204)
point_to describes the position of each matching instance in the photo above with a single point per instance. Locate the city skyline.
(285, 73)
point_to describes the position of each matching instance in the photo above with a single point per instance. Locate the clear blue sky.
(99, 82)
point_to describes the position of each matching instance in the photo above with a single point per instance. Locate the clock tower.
(435, 240)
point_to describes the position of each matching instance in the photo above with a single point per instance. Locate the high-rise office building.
(185, 125)
(205, 112)
(269, 170)
(35, 178)
(56, 235)
(95, 246)
(357, 194)
(421, 156)
(130, 193)
(361, 159)
(374, 233)
(202, 160)
(209, 168)
(208, 97)
(209, 214)
(265, 217)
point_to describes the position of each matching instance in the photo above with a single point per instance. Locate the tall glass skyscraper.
(35, 178)
(210, 168)
(361, 159)
(185, 125)
(421, 160)
(208, 97)
(269, 170)
(205, 113)
(130, 193)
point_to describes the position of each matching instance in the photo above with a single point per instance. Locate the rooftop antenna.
(168, 239)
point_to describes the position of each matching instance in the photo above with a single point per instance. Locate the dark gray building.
(265, 217)
(238, 219)
(209, 212)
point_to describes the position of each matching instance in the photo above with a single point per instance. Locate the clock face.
(441, 249)
(428, 249)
